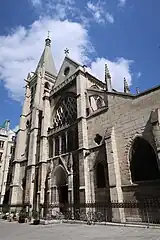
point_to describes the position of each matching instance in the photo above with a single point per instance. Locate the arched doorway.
(143, 161)
(61, 181)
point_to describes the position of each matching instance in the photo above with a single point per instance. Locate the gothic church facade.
(79, 140)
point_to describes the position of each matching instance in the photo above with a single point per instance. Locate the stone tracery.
(66, 113)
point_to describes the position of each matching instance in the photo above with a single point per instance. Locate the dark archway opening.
(143, 163)
(62, 184)
(100, 176)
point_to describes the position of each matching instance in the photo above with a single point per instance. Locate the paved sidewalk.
(16, 231)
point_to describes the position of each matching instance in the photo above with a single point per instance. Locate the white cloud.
(59, 9)
(139, 74)
(122, 3)
(21, 50)
(36, 2)
(119, 69)
(99, 13)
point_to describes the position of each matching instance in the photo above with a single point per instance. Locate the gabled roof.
(46, 59)
(71, 64)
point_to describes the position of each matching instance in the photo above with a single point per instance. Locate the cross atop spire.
(48, 34)
(66, 52)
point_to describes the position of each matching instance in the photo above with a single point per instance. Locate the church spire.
(46, 60)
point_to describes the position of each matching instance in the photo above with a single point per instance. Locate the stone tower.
(31, 145)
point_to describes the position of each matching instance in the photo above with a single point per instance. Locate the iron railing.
(146, 211)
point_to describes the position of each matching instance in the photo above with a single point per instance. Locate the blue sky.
(123, 33)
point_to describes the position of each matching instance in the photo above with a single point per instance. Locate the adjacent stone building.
(7, 146)
(82, 141)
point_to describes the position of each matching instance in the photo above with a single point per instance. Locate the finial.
(48, 40)
(126, 87)
(29, 76)
(108, 79)
(107, 73)
(66, 51)
(137, 90)
(48, 34)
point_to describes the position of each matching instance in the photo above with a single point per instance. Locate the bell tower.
(32, 134)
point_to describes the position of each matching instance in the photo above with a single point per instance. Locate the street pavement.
(16, 231)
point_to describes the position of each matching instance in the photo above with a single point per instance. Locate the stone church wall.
(131, 118)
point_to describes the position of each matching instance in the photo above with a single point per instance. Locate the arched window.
(57, 146)
(99, 103)
(47, 85)
(50, 148)
(96, 102)
(143, 161)
(100, 176)
(66, 112)
(63, 139)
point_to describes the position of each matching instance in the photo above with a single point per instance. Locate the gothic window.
(66, 113)
(98, 139)
(96, 102)
(50, 148)
(100, 176)
(47, 85)
(1, 144)
(66, 71)
(143, 161)
(63, 139)
(12, 149)
(70, 141)
(56, 146)
(1, 156)
(99, 103)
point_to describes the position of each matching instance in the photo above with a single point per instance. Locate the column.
(116, 193)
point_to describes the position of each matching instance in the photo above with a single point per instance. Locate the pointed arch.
(66, 111)
(47, 85)
(59, 176)
(143, 161)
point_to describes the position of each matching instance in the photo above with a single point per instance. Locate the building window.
(99, 103)
(100, 176)
(47, 85)
(1, 144)
(143, 161)
(98, 139)
(63, 138)
(66, 112)
(70, 141)
(56, 146)
(66, 71)
(1, 156)
(12, 150)
(13, 138)
(50, 148)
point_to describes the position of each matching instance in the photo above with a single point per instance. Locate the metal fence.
(146, 211)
